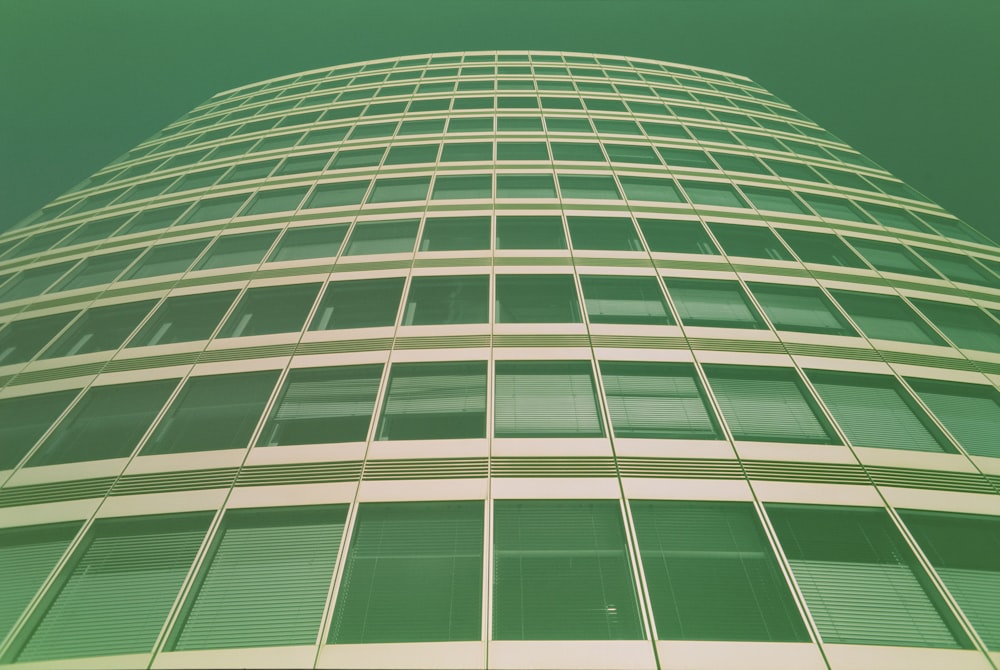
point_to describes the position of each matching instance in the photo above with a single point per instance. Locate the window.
(184, 318)
(967, 326)
(804, 309)
(209, 209)
(715, 194)
(22, 421)
(886, 317)
(678, 237)
(951, 227)
(413, 573)
(28, 556)
(362, 303)
(711, 573)
(412, 154)
(604, 233)
(561, 572)
(959, 268)
(311, 242)
(546, 399)
(525, 186)
(861, 582)
(767, 404)
(400, 189)
(749, 241)
(875, 411)
(249, 171)
(522, 151)
(460, 187)
(324, 406)
(455, 233)
(632, 153)
(382, 237)
(530, 232)
(820, 248)
(212, 413)
(536, 299)
(893, 217)
(789, 170)
(635, 300)
(338, 194)
(231, 250)
(96, 270)
(713, 302)
(657, 400)
(266, 580)
(970, 412)
(304, 164)
(267, 310)
(21, 340)
(963, 550)
(578, 151)
(740, 163)
(166, 259)
(592, 187)
(888, 257)
(162, 217)
(194, 180)
(435, 401)
(460, 152)
(448, 299)
(100, 329)
(834, 208)
(567, 125)
(93, 231)
(685, 158)
(138, 564)
(774, 200)
(108, 422)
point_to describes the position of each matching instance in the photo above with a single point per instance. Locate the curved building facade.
(499, 360)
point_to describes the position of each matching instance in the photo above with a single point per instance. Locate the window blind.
(625, 300)
(428, 401)
(970, 412)
(800, 308)
(546, 399)
(886, 317)
(712, 302)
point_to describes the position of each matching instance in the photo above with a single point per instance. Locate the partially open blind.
(546, 399)
(970, 412)
(713, 302)
(428, 401)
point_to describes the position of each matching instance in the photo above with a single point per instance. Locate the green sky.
(911, 83)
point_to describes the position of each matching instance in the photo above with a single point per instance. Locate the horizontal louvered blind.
(435, 400)
(710, 302)
(767, 404)
(546, 399)
(657, 400)
(860, 581)
(977, 593)
(970, 412)
(562, 572)
(799, 308)
(118, 593)
(325, 405)
(267, 581)
(711, 573)
(624, 300)
(27, 557)
(874, 412)
(413, 574)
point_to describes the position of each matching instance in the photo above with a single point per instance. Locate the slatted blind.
(625, 300)
(546, 399)
(414, 573)
(435, 401)
(886, 317)
(859, 579)
(970, 412)
(967, 326)
(768, 404)
(267, 582)
(562, 572)
(662, 400)
(800, 308)
(712, 302)
(965, 551)
(711, 574)
(875, 411)
(324, 405)
(28, 556)
(114, 598)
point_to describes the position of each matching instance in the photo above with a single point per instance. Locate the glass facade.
(498, 360)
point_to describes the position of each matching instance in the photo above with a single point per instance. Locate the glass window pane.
(157, 219)
(655, 189)
(713, 193)
(603, 233)
(412, 154)
(677, 237)
(311, 242)
(774, 200)
(414, 573)
(657, 400)
(363, 303)
(100, 329)
(458, 152)
(304, 164)
(25, 419)
(400, 189)
(350, 159)
(625, 300)
(209, 209)
(711, 573)
(834, 208)
(449, 299)
(685, 158)
(578, 151)
(271, 309)
(960, 268)
(891, 257)
(530, 232)
(561, 571)
(767, 404)
(248, 171)
(382, 237)
(435, 401)
(166, 259)
(593, 187)
(632, 153)
(967, 326)
(749, 241)
(804, 309)
(522, 151)
(713, 302)
(21, 340)
(455, 233)
(324, 406)
(266, 581)
(276, 200)
(96, 270)
(457, 187)
(546, 399)
(536, 299)
(970, 412)
(233, 250)
(93, 230)
(893, 217)
(212, 413)
(886, 317)
(184, 318)
(108, 422)
(525, 186)
(821, 248)
(338, 194)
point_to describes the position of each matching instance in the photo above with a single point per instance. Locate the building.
(516, 360)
